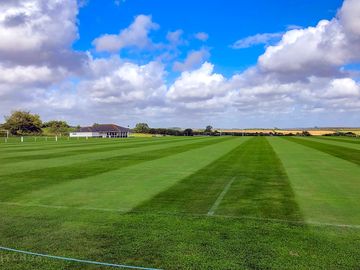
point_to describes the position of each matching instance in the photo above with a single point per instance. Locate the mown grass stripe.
(348, 154)
(326, 187)
(85, 150)
(345, 140)
(262, 187)
(181, 214)
(61, 146)
(31, 165)
(220, 198)
(197, 192)
(19, 183)
(332, 142)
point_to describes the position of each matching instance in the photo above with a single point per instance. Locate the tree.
(208, 128)
(188, 132)
(23, 123)
(142, 128)
(57, 127)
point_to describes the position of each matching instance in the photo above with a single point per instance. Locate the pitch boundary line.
(76, 260)
(221, 197)
(123, 211)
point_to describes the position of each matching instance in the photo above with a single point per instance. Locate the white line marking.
(75, 260)
(220, 198)
(309, 222)
(159, 213)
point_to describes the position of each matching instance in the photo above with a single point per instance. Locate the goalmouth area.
(181, 203)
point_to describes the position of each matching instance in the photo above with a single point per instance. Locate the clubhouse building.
(102, 131)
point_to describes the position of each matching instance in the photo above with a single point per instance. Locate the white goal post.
(4, 134)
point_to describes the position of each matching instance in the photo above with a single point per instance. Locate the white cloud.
(319, 50)
(202, 36)
(297, 78)
(342, 88)
(175, 37)
(136, 36)
(200, 84)
(257, 39)
(35, 50)
(123, 84)
(193, 60)
(39, 32)
(349, 16)
(31, 75)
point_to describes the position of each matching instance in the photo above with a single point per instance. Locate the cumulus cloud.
(202, 36)
(39, 32)
(193, 59)
(122, 87)
(175, 37)
(136, 36)
(257, 39)
(302, 74)
(319, 50)
(35, 50)
(349, 16)
(200, 84)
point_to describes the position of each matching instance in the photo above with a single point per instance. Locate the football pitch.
(181, 203)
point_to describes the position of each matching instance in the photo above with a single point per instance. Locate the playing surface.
(182, 203)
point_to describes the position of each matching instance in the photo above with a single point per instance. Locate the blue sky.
(225, 21)
(228, 63)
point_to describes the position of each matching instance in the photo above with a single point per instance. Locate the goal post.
(4, 135)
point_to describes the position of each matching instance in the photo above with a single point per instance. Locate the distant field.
(182, 202)
(314, 132)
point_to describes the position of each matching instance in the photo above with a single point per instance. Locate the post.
(56, 139)
(22, 139)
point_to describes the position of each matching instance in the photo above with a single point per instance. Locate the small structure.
(102, 131)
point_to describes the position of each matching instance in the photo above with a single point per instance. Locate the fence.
(35, 139)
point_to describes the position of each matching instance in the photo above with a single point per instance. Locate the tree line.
(23, 123)
(144, 128)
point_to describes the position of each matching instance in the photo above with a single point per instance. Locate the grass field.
(182, 203)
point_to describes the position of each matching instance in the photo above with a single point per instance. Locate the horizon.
(228, 64)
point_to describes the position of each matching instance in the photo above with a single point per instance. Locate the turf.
(339, 139)
(181, 203)
(348, 143)
(346, 153)
(327, 188)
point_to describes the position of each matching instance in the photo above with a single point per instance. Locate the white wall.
(90, 134)
(84, 134)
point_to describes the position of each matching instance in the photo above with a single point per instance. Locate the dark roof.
(104, 128)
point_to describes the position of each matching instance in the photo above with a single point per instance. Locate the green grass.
(339, 139)
(327, 187)
(181, 203)
(346, 153)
